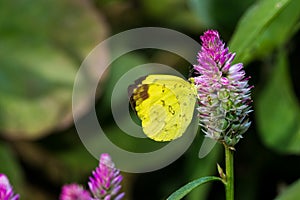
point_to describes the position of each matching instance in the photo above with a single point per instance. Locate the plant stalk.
(229, 186)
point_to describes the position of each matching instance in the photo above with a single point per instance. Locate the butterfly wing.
(165, 104)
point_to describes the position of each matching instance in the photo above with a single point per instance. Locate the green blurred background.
(42, 44)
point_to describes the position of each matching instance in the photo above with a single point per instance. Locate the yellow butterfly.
(164, 103)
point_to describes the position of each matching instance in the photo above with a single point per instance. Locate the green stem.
(229, 186)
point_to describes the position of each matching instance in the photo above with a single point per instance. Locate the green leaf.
(181, 192)
(278, 112)
(266, 25)
(292, 192)
(278, 32)
(42, 46)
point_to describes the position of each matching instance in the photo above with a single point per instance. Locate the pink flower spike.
(105, 180)
(219, 113)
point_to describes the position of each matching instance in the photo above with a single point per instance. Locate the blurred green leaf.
(292, 192)
(278, 32)
(183, 191)
(266, 25)
(42, 45)
(219, 13)
(202, 8)
(180, 16)
(278, 112)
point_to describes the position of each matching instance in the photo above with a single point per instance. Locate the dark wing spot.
(163, 88)
(171, 110)
(163, 102)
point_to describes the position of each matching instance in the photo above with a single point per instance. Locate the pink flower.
(74, 192)
(6, 190)
(106, 179)
(223, 91)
